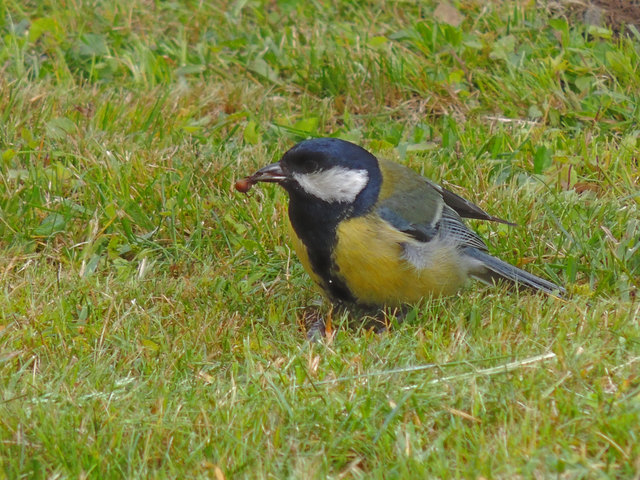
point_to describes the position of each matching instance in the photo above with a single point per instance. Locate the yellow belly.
(370, 257)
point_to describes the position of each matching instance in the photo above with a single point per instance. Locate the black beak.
(270, 173)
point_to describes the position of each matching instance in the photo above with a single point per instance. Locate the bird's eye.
(309, 167)
(304, 164)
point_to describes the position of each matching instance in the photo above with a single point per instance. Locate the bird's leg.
(313, 324)
(381, 320)
(318, 326)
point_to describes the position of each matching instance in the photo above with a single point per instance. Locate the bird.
(374, 233)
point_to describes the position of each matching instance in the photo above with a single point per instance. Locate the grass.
(150, 316)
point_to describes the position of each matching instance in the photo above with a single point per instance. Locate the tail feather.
(493, 270)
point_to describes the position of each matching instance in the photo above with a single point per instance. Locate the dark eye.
(308, 166)
(302, 164)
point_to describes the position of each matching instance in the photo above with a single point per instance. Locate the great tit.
(374, 233)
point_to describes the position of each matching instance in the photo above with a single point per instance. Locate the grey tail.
(493, 270)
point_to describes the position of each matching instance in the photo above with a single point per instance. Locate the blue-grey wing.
(439, 221)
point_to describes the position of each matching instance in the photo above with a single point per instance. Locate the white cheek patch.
(338, 184)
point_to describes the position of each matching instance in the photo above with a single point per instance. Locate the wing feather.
(424, 210)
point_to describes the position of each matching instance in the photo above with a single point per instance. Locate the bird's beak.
(270, 173)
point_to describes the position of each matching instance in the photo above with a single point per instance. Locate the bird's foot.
(314, 324)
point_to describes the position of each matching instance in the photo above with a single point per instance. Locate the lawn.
(152, 318)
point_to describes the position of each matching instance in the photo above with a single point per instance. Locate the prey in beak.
(271, 173)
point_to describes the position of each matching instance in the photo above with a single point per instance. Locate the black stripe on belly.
(317, 231)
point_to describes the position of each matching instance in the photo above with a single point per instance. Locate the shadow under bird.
(374, 233)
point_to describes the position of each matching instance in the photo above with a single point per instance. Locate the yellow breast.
(370, 257)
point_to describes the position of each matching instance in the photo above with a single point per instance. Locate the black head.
(328, 170)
